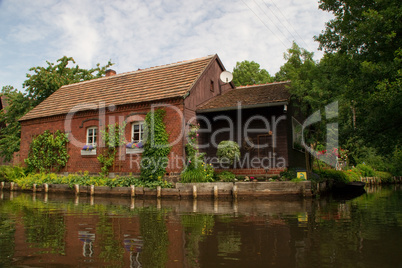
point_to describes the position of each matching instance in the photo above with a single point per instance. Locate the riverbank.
(216, 190)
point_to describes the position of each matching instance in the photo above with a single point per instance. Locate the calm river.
(67, 231)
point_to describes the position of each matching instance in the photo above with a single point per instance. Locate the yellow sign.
(302, 175)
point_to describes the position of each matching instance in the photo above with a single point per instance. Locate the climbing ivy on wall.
(48, 152)
(112, 137)
(156, 149)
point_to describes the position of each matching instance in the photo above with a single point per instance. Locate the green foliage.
(352, 175)
(130, 180)
(48, 152)
(39, 86)
(249, 73)
(361, 69)
(45, 81)
(17, 175)
(366, 170)
(201, 173)
(194, 158)
(11, 173)
(226, 176)
(16, 104)
(288, 174)
(228, 152)
(371, 157)
(156, 148)
(196, 170)
(112, 137)
(364, 60)
(297, 180)
(385, 177)
(336, 176)
(396, 161)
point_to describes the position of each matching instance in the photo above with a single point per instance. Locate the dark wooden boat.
(355, 185)
(349, 190)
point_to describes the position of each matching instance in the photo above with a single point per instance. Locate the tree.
(307, 89)
(18, 104)
(364, 56)
(45, 81)
(302, 71)
(249, 73)
(39, 86)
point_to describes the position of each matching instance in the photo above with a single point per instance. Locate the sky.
(145, 33)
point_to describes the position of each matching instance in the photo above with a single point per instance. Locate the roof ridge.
(145, 69)
(258, 85)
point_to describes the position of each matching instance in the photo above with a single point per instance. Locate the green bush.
(196, 169)
(288, 174)
(200, 173)
(48, 152)
(10, 173)
(385, 177)
(17, 175)
(228, 152)
(336, 175)
(352, 175)
(226, 176)
(366, 170)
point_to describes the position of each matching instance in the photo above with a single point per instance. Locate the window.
(90, 147)
(137, 137)
(137, 132)
(92, 133)
(212, 87)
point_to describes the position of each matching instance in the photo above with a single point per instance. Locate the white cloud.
(140, 34)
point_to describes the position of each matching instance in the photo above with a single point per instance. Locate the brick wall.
(81, 121)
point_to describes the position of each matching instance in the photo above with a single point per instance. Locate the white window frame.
(141, 125)
(94, 140)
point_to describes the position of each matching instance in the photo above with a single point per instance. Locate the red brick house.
(189, 92)
(84, 108)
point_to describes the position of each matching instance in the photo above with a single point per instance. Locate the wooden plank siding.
(221, 126)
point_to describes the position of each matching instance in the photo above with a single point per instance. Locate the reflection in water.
(134, 246)
(87, 239)
(49, 230)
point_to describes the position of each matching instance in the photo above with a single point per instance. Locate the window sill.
(134, 150)
(91, 152)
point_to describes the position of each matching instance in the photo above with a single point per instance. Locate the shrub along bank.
(27, 180)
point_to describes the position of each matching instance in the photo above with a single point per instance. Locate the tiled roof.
(143, 85)
(249, 96)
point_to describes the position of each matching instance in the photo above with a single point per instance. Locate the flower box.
(134, 148)
(88, 150)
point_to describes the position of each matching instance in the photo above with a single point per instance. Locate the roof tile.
(155, 83)
(248, 96)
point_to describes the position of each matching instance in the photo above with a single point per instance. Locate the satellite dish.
(226, 77)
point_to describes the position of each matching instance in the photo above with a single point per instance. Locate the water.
(67, 231)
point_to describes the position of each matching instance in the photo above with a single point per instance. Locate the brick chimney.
(110, 72)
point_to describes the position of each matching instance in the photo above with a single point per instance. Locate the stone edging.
(242, 190)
